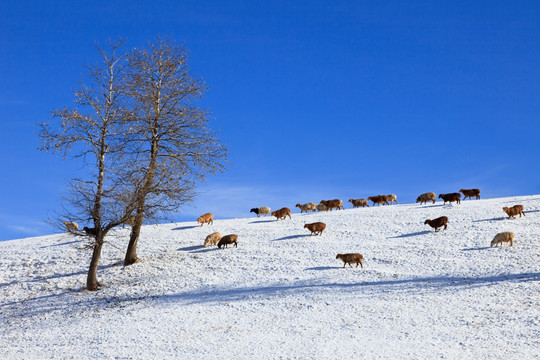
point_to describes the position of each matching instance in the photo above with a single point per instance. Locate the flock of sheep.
(317, 228)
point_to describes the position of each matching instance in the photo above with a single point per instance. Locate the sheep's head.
(427, 221)
(297, 205)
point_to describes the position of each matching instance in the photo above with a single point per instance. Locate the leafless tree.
(90, 131)
(169, 141)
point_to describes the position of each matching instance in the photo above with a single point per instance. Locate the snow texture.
(282, 294)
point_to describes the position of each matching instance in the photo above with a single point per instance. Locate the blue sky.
(315, 99)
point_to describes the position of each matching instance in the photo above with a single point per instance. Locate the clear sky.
(315, 99)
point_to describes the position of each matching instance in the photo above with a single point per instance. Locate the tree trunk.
(131, 253)
(92, 283)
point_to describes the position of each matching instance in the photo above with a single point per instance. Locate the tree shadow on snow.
(418, 233)
(290, 237)
(407, 285)
(62, 244)
(65, 302)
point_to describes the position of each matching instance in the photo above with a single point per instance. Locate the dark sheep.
(437, 223)
(469, 193)
(316, 227)
(453, 197)
(228, 239)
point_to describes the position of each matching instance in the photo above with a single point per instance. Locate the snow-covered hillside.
(282, 294)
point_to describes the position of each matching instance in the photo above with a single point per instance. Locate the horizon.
(314, 100)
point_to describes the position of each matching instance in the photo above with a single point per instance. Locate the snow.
(282, 294)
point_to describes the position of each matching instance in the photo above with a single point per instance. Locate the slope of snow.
(282, 293)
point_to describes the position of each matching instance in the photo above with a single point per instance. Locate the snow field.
(282, 293)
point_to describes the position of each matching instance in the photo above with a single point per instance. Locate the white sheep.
(307, 207)
(71, 226)
(506, 236)
(212, 239)
(392, 198)
(321, 207)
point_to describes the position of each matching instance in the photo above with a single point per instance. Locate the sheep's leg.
(350, 265)
(344, 263)
(445, 226)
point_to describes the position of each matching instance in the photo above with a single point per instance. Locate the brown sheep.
(469, 193)
(424, 198)
(451, 197)
(437, 223)
(514, 210)
(228, 239)
(379, 199)
(506, 236)
(358, 202)
(282, 213)
(206, 218)
(316, 227)
(71, 226)
(307, 207)
(330, 204)
(351, 258)
(212, 239)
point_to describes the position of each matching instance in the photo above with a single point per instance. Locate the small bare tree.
(169, 139)
(91, 132)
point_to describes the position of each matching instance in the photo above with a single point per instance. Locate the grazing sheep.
(307, 207)
(437, 223)
(469, 193)
(228, 239)
(330, 204)
(206, 218)
(282, 213)
(358, 202)
(451, 197)
(351, 258)
(514, 210)
(263, 210)
(322, 207)
(71, 226)
(392, 198)
(424, 198)
(212, 239)
(90, 231)
(379, 199)
(506, 236)
(316, 227)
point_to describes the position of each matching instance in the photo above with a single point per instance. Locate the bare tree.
(169, 139)
(91, 131)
